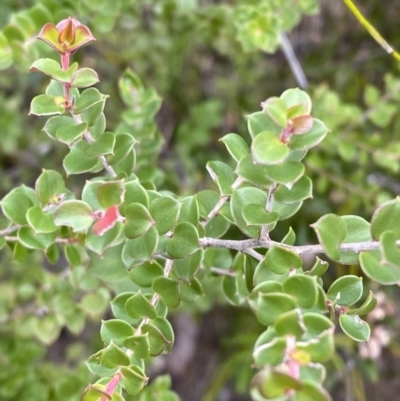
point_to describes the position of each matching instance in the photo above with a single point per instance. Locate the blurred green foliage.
(207, 61)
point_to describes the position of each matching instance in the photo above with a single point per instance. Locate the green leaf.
(368, 305)
(184, 241)
(100, 243)
(239, 199)
(389, 249)
(319, 268)
(280, 260)
(303, 289)
(16, 204)
(88, 98)
(331, 231)
(103, 145)
(111, 193)
(354, 327)
(50, 185)
(294, 97)
(40, 221)
(69, 133)
(261, 122)
(191, 291)
(142, 248)
(113, 357)
(94, 392)
(55, 123)
(311, 391)
(138, 306)
(271, 306)
(230, 289)
(347, 290)
(301, 190)
(76, 161)
(157, 340)
(289, 238)
(186, 268)
(168, 289)
(53, 69)
(75, 214)
(370, 262)
(267, 148)
(236, 146)
(357, 230)
(139, 344)
(122, 147)
(320, 348)
(255, 214)
(277, 111)
(138, 220)
(385, 218)
(290, 323)
(164, 211)
(46, 105)
(270, 353)
(84, 77)
(47, 329)
(144, 274)
(134, 379)
(286, 173)
(30, 239)
(222, 175)
(272, 383)
(312, 138)
(254, 173)
(189, 212)
(115, 330)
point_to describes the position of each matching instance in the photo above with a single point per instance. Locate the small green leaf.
(236, 146)
(40, 221)
(266, 148)
(186, 268)
(289, 238)
(368, 305)
(231, 290)
(270, 353)
(142, 248)
(139, 344)
(113, 357)
(272, 383)
(301, 190)
(190, 291)
(331, 231)
(189, 211)
(290, 323)
(55, 123)
(68, 134)
(84, 77)
(184, 242)
(88, 98)
(100, 243)
(280, 260)
(164, 211)
(347, 290)
(303, 289)
(168, 289)
(222, 175)
(53, 69)
(32, 240)
(103, 145)
(16, 204)
(134, 379)
(138, 306)
(385, 218)
(311, 391)
(46, 105)
(122, 147)
(354, 327)
(144, 274)
(111, 193)
(255, 214)
(75, 214)
(115, 330)
(276, 109)
(370, 262)
(47, 329)
(390, 251)
(76, 161)
(49, 185)
(319, 268)
(286, 173)
(271, 306)
(294, 97)
(138, 220)
(157, 340)
(320, 348)
(251, 172)
(261, 122)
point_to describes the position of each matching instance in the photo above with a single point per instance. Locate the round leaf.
(268, 149)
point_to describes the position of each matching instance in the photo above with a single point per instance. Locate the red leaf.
(108, 221)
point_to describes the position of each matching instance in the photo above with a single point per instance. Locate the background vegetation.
(208, 68)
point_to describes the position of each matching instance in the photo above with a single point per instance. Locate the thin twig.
(264, 235)
(248, 244)
(9, 230)
(293, 61)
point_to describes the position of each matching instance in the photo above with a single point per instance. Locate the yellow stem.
(372, 31)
